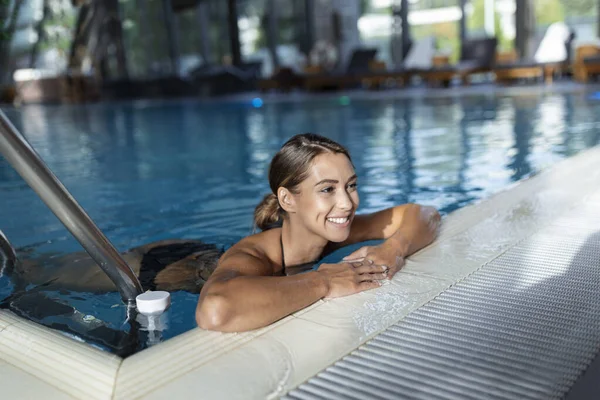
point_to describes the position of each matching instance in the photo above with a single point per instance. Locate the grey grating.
(524, 326)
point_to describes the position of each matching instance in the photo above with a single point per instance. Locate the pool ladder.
(23, 158)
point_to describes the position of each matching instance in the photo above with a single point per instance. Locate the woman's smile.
(340, 222)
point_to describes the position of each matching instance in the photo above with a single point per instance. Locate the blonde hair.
(289, 167)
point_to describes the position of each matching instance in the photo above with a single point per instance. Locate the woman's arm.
(412, 227)
(240, 295)
(409, 227)
(239, 299)
(406, 229)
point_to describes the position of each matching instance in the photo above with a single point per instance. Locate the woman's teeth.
(338, 220)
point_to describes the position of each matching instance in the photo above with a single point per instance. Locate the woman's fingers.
(354, 262)
(373, 277)
(371, 269)
(366, 285)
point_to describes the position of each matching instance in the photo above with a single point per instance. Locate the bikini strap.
(282, 254)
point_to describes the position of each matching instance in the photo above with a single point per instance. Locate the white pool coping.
(38, 362)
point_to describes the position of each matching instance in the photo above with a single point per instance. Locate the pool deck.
(413, 92)
(38, 362)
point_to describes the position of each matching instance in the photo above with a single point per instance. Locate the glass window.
(546, 13)
(252, 21)
(220, 45)
(290, 34)
(504, 21)
(438, 18)
(375, 27)
(145, 38)
(44, 36)
(189, 40)
(582, 17)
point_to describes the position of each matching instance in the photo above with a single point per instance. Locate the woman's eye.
(352, 186)
(328, 189)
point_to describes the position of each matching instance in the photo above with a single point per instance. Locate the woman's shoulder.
(263, 246)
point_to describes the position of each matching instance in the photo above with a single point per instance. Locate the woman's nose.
(344, 201)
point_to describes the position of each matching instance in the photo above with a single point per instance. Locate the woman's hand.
(386, 254)
(346, 278)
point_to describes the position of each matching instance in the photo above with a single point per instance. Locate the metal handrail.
(8, 255)
(24, 159)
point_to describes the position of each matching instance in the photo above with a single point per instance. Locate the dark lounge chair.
(286, 79)
(420, 56)
(550, 59)
(477, 56)
(357, 69)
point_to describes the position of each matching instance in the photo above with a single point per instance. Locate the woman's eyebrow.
(334, 181)
(326, 181)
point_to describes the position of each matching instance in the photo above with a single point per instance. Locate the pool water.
(148, 171)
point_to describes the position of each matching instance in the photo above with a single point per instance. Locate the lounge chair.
(284, 79)
(315, 78)
(477, 56)
(587, 62)
(357, 69)
(419, 57)
(551, 57)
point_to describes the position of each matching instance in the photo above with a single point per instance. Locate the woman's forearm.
(419, 228)
(249, 302)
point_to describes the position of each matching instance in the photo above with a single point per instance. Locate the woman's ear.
(286, 200)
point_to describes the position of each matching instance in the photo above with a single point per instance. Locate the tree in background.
(9, 14)
(54, 32)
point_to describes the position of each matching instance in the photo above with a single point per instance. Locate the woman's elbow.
(431, 219)
(432, 214)
(213, 313)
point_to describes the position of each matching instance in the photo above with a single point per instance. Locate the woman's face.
(327, 199)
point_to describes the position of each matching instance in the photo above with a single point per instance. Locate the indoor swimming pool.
(149, 171)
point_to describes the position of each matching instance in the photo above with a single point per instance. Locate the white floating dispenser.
(152, 316)
(153, 303)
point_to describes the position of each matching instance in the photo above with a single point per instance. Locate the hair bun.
(268, 212)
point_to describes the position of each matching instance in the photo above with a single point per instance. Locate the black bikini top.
(296, 269)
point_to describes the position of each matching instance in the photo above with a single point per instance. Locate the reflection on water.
(186, 169)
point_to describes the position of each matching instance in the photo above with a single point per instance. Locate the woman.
(309, 214)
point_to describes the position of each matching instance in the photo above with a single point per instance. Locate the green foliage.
(9, 13)
(6, 15)
(476, 20)
(58, 29)
(580, 7)
(446, 34)
(549, 11)
(504, 43)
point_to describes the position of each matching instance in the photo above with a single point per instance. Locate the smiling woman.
(310, 213)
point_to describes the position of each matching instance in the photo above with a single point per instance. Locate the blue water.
(191, 169)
